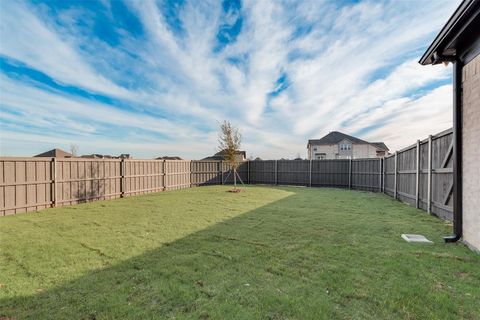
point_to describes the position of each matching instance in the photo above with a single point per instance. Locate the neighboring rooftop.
(55, 153)
(380, 145)
(335, 137)
(105, 156)
(241, 155)
(169, 158)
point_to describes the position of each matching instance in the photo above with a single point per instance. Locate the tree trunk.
(234, 178)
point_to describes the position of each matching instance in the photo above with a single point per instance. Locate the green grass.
(203, 253)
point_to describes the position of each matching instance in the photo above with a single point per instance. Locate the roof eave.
(435, 53)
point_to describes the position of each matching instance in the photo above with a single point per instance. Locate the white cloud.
(348, 68)
(46, 116)
(27, 39)
(403, 122)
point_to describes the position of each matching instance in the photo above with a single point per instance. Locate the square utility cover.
(415, 238)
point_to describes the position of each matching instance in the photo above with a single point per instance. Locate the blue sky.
(154, 78)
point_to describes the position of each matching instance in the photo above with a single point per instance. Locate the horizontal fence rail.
(420, 175)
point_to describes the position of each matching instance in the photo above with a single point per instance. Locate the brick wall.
(471, 153)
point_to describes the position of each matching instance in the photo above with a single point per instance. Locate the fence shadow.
(88, 184)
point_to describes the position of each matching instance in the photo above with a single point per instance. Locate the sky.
(155, 78)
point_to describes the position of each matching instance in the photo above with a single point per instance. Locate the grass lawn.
(203, 253)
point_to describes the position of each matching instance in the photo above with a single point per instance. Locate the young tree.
(229, 141)
(74, 150)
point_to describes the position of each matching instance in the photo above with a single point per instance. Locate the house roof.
(221, 155)
(97, 156)
(169, 158)
(238, 152)
(105, 156)
(214, 158)
(380, 145)
(459, 31)
(335, 137)
(55, 153)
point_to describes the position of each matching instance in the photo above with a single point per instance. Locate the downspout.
(457, 152)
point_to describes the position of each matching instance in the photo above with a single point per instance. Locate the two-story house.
(337, 145)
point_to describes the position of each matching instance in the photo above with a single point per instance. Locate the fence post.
(429, 182)
(384, 170)
(417, 177)
(54, 182)
(122, 178)
(380, 162)
(350, 173)
(191, 173)
(310, 174)
(248, 171)
(164, 169)
(165, 173)
(221, 169)
(395, 176)
(276, 172)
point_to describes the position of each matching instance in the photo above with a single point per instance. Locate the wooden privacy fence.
(31, 184)
(215, 172)
(360, 174)
(420, 175)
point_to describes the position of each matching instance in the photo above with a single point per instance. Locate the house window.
(345, 147)
(314, 148)
(320, 156)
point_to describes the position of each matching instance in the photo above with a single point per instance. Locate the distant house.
(240, 156)
(338, 145)
(55, 153)
(169, 158)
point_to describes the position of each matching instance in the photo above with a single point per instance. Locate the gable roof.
(55, 153)
(335, 137)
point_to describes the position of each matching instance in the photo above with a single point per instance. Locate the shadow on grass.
(336, 257)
